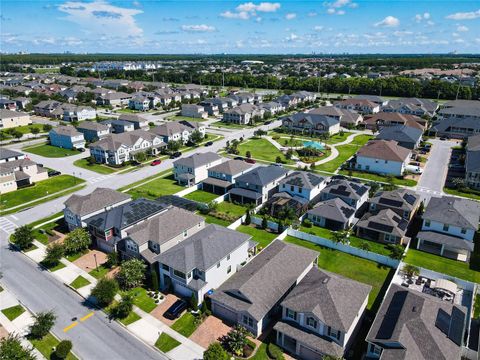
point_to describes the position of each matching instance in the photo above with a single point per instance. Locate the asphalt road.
(95, 338)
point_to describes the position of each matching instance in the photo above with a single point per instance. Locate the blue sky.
(336, 26)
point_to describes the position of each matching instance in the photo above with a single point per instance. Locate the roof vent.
(414, 309)
(324, 281)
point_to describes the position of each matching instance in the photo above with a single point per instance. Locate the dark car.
(81, 149)
(175, 155)
(209, 143)
(238, 158)
(267, 122)
(443, 138)
(250, 161)
(53, 173)
(176, 309)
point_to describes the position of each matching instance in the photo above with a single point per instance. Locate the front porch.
(448, 246)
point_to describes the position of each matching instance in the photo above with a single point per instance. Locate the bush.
(42, 325)
(123, 308)
(23, 237)
(63, 349)
(307, 223)
(11, 348)
(55, 252)
(215, 352)
(105, 291)
(131, 274)
(274, 352)
(78, 240)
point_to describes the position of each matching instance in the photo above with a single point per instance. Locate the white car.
(414, 169)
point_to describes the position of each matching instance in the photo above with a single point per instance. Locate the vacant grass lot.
(166, 343)
(259, 235)
(185, 325)
(98, 168)
(50, 151)
(13, 312)
(201, 196)
(262, 149)
(42, 188)
(353, 267)
(47, 346)
(156, 188)
(379, 178)
(26, 129)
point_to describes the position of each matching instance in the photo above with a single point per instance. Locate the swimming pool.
(314, 144)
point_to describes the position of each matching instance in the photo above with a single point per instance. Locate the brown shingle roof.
(385, 150)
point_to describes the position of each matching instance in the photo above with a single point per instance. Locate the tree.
(17, 134)
(396, 251)
(11, 348)
(63, 349)
(364, 246)
(112, 259)
(174, 146)
(215, 351)
(195, 137)
(248, 218)
(340, 236)
(131, 274)
(47, 127)
(35, 130)
(289, 154)
(278, 160)
(77, 240)
(23, 237)
(105, 291)
(141, 156)
(411, 270)
(154, 280)
(43, 323)
(91, 160)
(374, 187)
(123, 308)
(248, 154)
(193, 302)
(264, 223)
(53, 255)
(235, 340)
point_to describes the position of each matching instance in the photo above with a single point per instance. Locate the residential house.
(78, 113)
(193, 169)
(214, 106)
(12, 119)
(311, 123)
(373, 98)
(333, 214)
(362, 106)
(252, 297)
(258, 185)
(353, 193)
(22, 102)
(8, 104)
(415, 325)
(412, 106)
(385, 226)
(383, 119)
(140, 103)
(347, 118)
(79, 208)
(19, 173)
(244, 98)
(137, 121)
(459, 109)
(221, 177)
(243, 114)
(403, 202)
(115, 99)
(455, 128)
(115, 149)
(66, 137)
(119, 126)
(304, 96)
(7, 155)
(406, 136)
(178, 130)
(303, 184)
(93, 131)
(287, 101)
(383, 157)
(472, 162)
(194, 111)
(272, 108)
(322, 315)
(49, 108)
(449, 226)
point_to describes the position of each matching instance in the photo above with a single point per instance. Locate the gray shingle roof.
(98, 199)
(5, 113)
(67, 130)
(258, 286)
(174, 127)
(445, 239)
(313, 119)
(333, 209)
(385, 150)
(453, 211)
(263, 175)
(386, 221)
(446, 125)
(92, 125)
(7, 153)
(346, 188)
(203, 249)
(231, 167)
(199, 159)
(403, 199)
(303, 179)
(400, 133)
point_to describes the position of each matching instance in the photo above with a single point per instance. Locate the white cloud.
(402, 33)
(243, 15)
(312, 14)
(462, 28)
(341, 12)
(292, 37)
(455, 34)
(334, 7)
(389, 21)
(464, 15)
(331, 11)
(136, 3)
(198, 28)
(290, 16)
(318, 28)
(426, 15)
(421, 17)
(101, 17)
(262, 7)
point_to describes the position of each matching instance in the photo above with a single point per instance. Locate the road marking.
(7, 226)
(14, 217)
(87, 316)
(69, 327)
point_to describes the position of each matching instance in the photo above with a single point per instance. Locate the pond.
(314, 144)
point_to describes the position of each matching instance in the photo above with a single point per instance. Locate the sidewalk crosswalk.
(99, 178)
(7, 226)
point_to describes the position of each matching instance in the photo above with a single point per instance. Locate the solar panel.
(457, 326)
(390, 202)
(380, 227)
(392, 315)
(442, 322)
(409, 198)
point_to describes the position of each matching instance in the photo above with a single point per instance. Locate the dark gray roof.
(199, 159)
(312, 118)
(263, 175)
(333, 209)
(400, 133)
(345, 115)
(449, 240)
(386, 221)
(258, 286)
(67, 130)
(203, 249)
(174, 127)
(472, 160)
(403, 199)
(346, 188)
(92, 125)
(372, 98)
(231, 167)
(333, 299)
(5, 113)
(245, 192)
(427, 327)
(7, 153)
(453, 211)
(303, 179)
(446, 125)
(98, 199)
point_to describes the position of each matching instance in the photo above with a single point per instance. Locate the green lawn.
(361, 140)
(59, 266)
(156, 188)
(222, 124)
(334, 139)
(443, 265)
(209, 219)
(43, 237)
(31, 248)
(46, 346)
(42, 188)
(461, 193)
(130, 319)
(76, 256)
(141, 299)
(26, 129)
(166, 343)
(79, 282)
(353, 267)
(345, 152)
(45, 219)
(262, 149)
(201, 196)
(185, 325)
(232, 209)
(476, 309)
(354, 241)
(50, 151)
(259, 235)
(100, 272)
(379, 178)
(98, 168)
(13, 312)
(185, 118)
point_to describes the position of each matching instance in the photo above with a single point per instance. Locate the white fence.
(270, 224)
(188, 190)
(369, 255)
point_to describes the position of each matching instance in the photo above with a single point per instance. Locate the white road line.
(7, 226)
(14, 217)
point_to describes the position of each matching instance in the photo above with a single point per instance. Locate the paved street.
(95, 337)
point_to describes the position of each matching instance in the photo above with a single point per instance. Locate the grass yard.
(48, 218)
(461, 193)
(259, 235)
(353, 267)
(232, 209)
(185, 118)
(334, 139)
(379, 178)
(262, 149)
(141, 299)
(354, 240)
(185, 325)
(50, 151)
(476, 309)
(13, 312)
(79, 282)
(166, 343)
(41, 233)
(130, 319)
(361, 140)
(26, 129)
(76, 256)
(59, 266)
(222, 124)
(201, 196)
(156, 188)
(345, 152)
(209, 219)
(443, 265)
(46, 346)
(100, 272)
(42, 188)
(98, 168)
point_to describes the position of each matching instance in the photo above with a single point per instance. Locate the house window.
(312, 322)
(445, 227)
(464, 231)
(291, 314)
(390, 238)
(218, 264)
(179, 274)
(228, 257)
(375, 350)
(229, 269)
(427, 223)
(292, 188)
(300, 190)
(189, 275)
(165, 267)
(247, 320)
(333, 333)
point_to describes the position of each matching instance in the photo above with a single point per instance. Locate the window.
(445, 227)
(247, 320)
(228, 257)
(291, 314)
(179, 274)
(300, 190)
(229, 269)
(333, 333)
(311, 322)
(464, 231)
(189, 275)
(165, 267)
(375, 350)
(218, 264)
(292, 188)
(427, 223)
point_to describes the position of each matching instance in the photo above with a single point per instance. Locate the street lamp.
(96, 264)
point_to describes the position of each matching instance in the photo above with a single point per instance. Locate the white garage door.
(308, 354)
(224, 313)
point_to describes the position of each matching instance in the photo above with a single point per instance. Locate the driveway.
(87, 261)
(211, 330)
(160, 309)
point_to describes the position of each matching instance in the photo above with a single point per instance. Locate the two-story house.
(243, 114)
(78, 113)
(140, 103)
(66, 137)
(472, 162)
(385, 226)
(333, 214)
(346, 117)
(222, 176)
(403, 202)
(138, 121)
(311, 123)
(194, 111)
(193, 169)
(412, 106)
(92, 130)
(406, 136)
(321, 315)
(383, 157)
(15, 174)
(118, 126)
(178, 130)
(353, 193)
(363, 106)
(449, 226)
(11, 119)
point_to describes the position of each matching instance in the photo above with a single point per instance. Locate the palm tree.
(411, 270)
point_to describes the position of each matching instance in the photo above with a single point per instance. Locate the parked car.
(414, 163)
(175, 155)
(209, 143)
(267, 122)
(81, 149)
(155, 162)
(414, 169)
(135, 163)
(443, 138)
(238, 158)
(250, 161)
(176, 309)
(54, 173)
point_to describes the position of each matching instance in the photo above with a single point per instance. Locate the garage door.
(224, 313)
(308, 354)
(181, 290)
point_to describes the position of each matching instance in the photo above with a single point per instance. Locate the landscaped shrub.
(274, 352)
(307, 223)
(63, 349)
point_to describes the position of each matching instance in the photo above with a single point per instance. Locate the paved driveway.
(211, 330)
(87, 261)
(160, 309)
